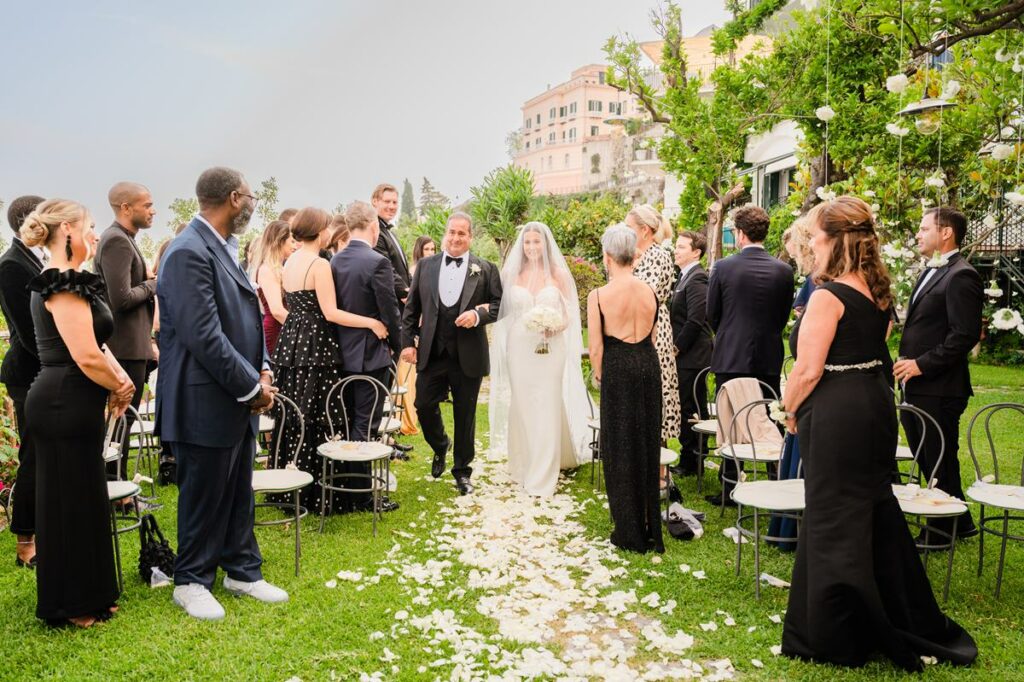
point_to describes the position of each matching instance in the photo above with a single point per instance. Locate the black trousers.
(23, 520)
(443, 374)
(136, 370)
(216, 512)
(729, 466)
(947, 412)
(689, 440)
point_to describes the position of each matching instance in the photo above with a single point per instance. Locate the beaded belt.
(859, 365)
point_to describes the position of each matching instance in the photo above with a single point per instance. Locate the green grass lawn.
(324, 634)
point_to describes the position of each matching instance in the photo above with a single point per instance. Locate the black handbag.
(154, 550)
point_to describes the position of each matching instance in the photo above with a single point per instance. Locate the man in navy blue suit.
(214, 380)
(364, 281)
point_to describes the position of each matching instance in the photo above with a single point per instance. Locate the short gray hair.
(460, 215)
(360, 216)
(619, 242)
(215, 185)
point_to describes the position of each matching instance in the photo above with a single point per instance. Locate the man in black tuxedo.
(131, 287)
(750, 298)
(943, 325)
(453, 296)
(693, 339)
(364, 284)
(18, 265)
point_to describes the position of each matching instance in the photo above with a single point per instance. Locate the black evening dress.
(76, 576)
(631, 439)
(859, 586)
(307, 359)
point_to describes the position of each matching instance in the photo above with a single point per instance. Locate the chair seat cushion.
(266, 424)
(353, 451)
(904, 453)
(997, 495)
(279, 480)
(785, 495)
(765, 452)
(121, 490)
(708, 427)
(927, 501)
(668, 456)
(389, 425)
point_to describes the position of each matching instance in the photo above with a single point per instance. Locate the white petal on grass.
(775, 618)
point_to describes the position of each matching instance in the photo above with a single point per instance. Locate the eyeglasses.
(254, 199)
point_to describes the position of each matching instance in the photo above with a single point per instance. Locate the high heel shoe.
(30, 564)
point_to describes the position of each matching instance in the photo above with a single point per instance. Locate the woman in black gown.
(621, 317)
(76, 581)
(858, 584)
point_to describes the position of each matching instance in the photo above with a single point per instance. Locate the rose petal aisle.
(532, 567)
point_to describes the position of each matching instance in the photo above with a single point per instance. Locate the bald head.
(132, 205)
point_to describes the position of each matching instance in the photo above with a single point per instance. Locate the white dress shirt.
(451, 278)
(931, 273)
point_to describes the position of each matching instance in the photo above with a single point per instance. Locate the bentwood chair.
(344, 447)
(739, 453)
(997, 489)
(287, 479)
(927, 501)
(704, 428)
(122, 496)
(783, 498)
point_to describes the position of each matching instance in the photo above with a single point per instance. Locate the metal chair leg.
(297, 547)
(739, 534)
(117, 548)
(757, 555)
(949, 565)
(1002, 552)
(323, 494)
(981, 541)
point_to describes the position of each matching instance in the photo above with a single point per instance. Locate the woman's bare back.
(628, 307)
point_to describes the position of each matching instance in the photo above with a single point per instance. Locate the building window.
(601, 77)
(566, 160)
(527, 145)
(572, 108)
(594, 132)
(536, 143)
(551, 114)
(563, 136)
(595, 164)
(561, 112)
(538, 119)
(572, 134)
(615, 108)
(550, 163)
(529, 123)
(551, 138)
(594, 105)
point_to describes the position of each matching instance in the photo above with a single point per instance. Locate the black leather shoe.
(680, 470)
(399, 455)
(402, 447)
(438, 465)
(386, 505)
(716, 500)
(464, 486)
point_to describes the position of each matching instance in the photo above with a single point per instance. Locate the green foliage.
(148, 247)
(587, 277)
(408, 200)
(182, 211)
(434, 222)
(431, 198)
(501, 203)
(267, 206)
(578, 223)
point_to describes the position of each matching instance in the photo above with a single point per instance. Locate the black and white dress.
(308, 361)
(655, 269)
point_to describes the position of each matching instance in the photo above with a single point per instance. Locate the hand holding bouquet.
(543, 320)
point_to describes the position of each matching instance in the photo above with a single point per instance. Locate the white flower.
(776, 649)
(542, 318)
(1007, 131)
(775, 618)
(1020, 328)
(1006, 319)
(756, 663)
(896, 129)
(1002, 151)
(989, 221)
(1016, 197)
(938, 179)
(777, 411)
(869, 193)
(668, 245)
(937, 261)
(825, 113)
(1002, 57)
(897, 83)
(474, 269)
(951, 90)
(993, 290)
(870, 170)
(824, 194)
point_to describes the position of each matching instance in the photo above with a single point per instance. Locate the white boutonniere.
(777, 412)
(937, 261)
(474, 269)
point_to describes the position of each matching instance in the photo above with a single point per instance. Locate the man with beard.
(213, 383)
(131, 287)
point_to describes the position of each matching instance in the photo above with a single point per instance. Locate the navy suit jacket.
(364, 282)
(211, 343)
(750, 298)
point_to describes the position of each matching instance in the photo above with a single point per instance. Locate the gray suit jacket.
(130, 295)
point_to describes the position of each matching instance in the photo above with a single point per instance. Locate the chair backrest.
(701, 376)
(755, 409)
(983, 419)
(595, 409)
(787, 366)
(337, 396)
(283, 410)
(118, 430)
(720, 394)
(925, 423)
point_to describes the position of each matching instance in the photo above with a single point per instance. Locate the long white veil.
(552, 267)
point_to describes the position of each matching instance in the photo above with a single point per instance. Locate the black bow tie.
(450, 259)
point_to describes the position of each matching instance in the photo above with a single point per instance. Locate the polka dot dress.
(307, 360)
(655, 268)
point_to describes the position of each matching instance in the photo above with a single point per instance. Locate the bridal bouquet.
(543, 320)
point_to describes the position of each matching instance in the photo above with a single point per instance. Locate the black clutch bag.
(154, 551)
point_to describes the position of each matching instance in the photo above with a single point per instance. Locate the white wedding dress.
(539, 439)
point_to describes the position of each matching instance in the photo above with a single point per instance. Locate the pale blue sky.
(329, 97)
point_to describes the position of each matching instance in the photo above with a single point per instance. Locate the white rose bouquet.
(543, 320)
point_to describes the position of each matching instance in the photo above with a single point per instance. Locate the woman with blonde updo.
(654, 266)
(859, 587)
(75, 576)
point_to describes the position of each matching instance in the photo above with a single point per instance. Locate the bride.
(538, 401)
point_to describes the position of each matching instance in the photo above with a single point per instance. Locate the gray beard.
(241, 222)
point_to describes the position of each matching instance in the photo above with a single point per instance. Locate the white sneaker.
(198, 602)
(261, 590)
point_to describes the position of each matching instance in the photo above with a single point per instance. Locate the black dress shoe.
(399, 455)
(30, 564)
(680, 470)
(438, 465)
(401, 447)
(464, 486)
(716, 500)
(386, 505)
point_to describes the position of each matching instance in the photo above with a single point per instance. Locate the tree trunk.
(716, 219)
(818, 167)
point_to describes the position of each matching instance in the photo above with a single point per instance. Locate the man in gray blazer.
(131, 285)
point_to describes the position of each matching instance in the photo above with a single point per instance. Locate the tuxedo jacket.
(18, 265)
(688, 311)
(943, 325)
(130, 295)
(388, 246)
(750, 298)
(211, 343)
(364, 284)
(419, 319)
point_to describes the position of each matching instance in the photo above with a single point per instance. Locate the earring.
(67, 248)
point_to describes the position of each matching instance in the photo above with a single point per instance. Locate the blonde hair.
(379, 190)
(648, 216)
(41, 225)
(270, 248)
(800, 235)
